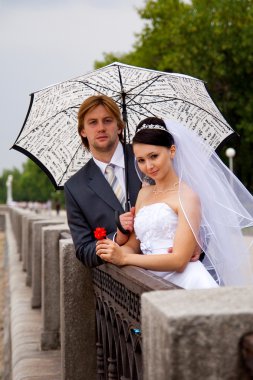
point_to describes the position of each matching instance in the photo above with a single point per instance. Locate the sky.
(43, 42)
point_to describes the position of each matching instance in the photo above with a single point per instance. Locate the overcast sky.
(43, 42)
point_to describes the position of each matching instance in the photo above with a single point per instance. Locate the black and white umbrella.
(49, 134)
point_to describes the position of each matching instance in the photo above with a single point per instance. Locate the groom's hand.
(196, 253)
(127, 222)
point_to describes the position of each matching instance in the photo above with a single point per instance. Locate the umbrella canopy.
(49, 134)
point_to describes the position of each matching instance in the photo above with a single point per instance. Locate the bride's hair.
(153, 131)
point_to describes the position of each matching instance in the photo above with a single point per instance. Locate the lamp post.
(230, 153)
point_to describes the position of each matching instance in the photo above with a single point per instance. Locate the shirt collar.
(116, 160)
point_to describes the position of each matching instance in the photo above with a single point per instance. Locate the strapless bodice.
(155, 227)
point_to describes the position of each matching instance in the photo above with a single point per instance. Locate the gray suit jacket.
(91, 203)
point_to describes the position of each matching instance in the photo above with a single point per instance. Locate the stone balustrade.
(186, 334)
(196, 334)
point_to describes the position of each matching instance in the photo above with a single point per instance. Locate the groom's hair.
(153, 131)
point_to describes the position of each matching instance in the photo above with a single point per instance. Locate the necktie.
(115, 185)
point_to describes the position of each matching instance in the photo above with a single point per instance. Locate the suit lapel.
(101, 187)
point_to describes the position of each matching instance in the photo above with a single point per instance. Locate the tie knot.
(109, 169)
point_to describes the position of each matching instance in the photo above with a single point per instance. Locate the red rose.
(100, 233)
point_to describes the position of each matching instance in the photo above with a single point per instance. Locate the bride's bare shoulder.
(144, 194)
(146, 190)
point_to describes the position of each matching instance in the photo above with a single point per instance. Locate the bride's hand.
(110, 251)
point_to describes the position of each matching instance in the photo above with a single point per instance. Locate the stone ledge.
(195, 334)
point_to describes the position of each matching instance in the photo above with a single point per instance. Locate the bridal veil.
(226, 207)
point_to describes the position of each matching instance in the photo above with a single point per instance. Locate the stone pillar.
(27, 234)
(195, 334)
(78, 337)
(37, 257)
(26, 237)
(50, 294)
(16, 215)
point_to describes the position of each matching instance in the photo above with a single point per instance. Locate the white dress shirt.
(118, 162)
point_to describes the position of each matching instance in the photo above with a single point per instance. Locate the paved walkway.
(28, 361)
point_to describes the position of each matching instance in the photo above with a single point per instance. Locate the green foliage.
(34, 184)
(211, 40)
(30, 184)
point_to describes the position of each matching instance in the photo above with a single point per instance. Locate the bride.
(190, 204)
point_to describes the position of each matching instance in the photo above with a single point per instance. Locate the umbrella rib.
(44, 121)
(148, 85)
(180, 100)
(93, 87)
(140, 113)
(105, 89)
(152, 80)
(70, 163)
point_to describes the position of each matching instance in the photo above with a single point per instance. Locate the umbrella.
(49, 134)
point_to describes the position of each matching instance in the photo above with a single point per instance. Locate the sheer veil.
(226, 207)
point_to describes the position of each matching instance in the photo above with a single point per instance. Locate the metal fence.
(118, 319)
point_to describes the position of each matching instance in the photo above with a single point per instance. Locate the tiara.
(151, 126)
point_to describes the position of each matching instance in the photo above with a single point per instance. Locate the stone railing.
(100, 315)
(180, 334)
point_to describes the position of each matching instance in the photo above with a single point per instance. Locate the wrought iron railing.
(118, 318)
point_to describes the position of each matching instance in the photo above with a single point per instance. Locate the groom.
(90, 197)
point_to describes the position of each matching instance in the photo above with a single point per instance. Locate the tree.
(211, 40)
(34, 185)
(31, 184)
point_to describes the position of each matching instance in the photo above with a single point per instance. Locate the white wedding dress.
(155, 227)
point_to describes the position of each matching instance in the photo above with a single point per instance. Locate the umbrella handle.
(119, 225)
